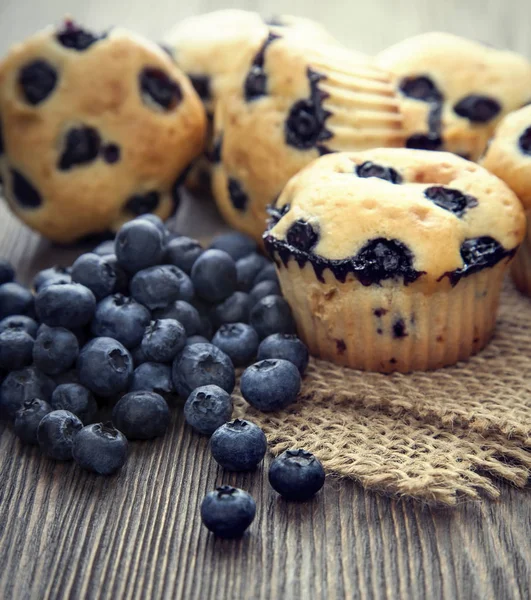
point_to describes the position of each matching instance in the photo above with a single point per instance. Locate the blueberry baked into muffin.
(509, 157)
(96, 129)
(291, 102)
(393, 259)
(454, 91)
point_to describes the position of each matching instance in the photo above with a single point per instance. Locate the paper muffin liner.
(521, 265)
(392, 327)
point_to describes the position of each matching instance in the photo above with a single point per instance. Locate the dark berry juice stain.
(524, 141)
(478, 109)
(341, 346)
(399, 329)
(452, 200)
(255, 84)
(421, 141)
(371, 169)
(82, 146)
(478, 254)
(302, 235)
(214, 155)
(37, 81)
(142, 204)
(380, 312)
(111, 153)
(25, 194)
(201, 85)
(76, 38)
(238, 197)
(156, 85)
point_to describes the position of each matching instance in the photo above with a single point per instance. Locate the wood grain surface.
(65, 533)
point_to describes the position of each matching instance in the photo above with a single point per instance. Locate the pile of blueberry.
(146, 317)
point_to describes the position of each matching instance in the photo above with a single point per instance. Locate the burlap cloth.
(440, 436)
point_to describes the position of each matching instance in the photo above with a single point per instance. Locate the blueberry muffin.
(509, 157)
(289, 104)
(393, 259)
(454, 91)
(97, 129)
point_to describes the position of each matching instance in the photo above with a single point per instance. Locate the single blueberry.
(56, 350)
(15, 300)
(158, 89)
(56, 433)
(22, 385)
(111, 153)
(24, 192)
(16, 349)
(303, 236)
(304, 126)
(121, 318)
(238, 245)
(27, 420)
(207, 408)
(201, 85)
(214, 275)
(286, 346)
(524, 141)
(420, 88)
(96, 273)
(100, 448)
(75, 38)
(163, 340)
(247, 268)
(421, 141)
(271, 385)
(185, 313)
(239, 342)
(202, 364)
(159, 224)
(237, 194)
(271, 314)
(37, 81)
(239, 445)
(7, 272)
(370, 169)
(268, 287)
(157, 287)
(139, 244)
(450, 199)
(105, 367)
(235, 309)
(54, 274)
(69, 305)
(183, 252)
(142, 204)
(228, 512)
(141, 415)
(196, 339)
(477, 108)
(268, 273)
(381, 259)
(19, 323)
(77, 399)
(152, 377)
(296, 475)
(81, 146)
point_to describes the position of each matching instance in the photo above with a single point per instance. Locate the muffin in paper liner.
(393, 259)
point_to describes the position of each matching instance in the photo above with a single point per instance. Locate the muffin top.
(395, 214)
(509, 153)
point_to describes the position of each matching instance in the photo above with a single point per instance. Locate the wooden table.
(67, 534)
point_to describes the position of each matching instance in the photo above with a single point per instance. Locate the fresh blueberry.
(105, 367)
(296, 475)
(239, 341)
(56, 433)
(268, 273)
(121, 318)
(157, 221)
(76, 399)
(286, 346)
(105, 248)
(20, 386)
(214, 275)
(27, 420)
(141, 415)
(51, 275)
(157, 287)
(100, 448)
(196, 339)
(265, 288)
(236, 244)
(139, 358)
(272, 314)
(152, 377)
(19, 323)
(96, 273)
(56, 350)
(271, 385)
(16, 349)
(68, 305)
(185, 313)
(207, 408)
(139, 245)
(183, 252)
(228, 512)
(239, 445)
(202, 364)
(7, 272)
(235, 309)
(15, 300)
(163, 340)
(247, 269)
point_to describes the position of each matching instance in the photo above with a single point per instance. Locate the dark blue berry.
(202, 364)
(207, 408)
(97, 273)
(163, 340)
(20, 386)
(239, 342)
(54, 274)
(477, 108)
(105, 248)
(263, 289)
(158, 89)
(370, 169)
(268, 273)
(105, 367)
(201, 85)
(228, 512)
(271, 314)
(159, 224)
(19, 323)
(247, 268)
(152, 377)
(27, 420)
(82, 146)
(121, 318)
(296, 475)
(111, 153)
(214, 275)
(524, 141)
(7, 272)
(141, 415)
(139, 245)
(37, 81)
(77, 399)
(421, 141)
(56, 433)
(100, 448)
(235, 309)
(76, 38)
(139, 358)
(420, 88)
(286, 346)
(206, 330)
(68, 305)
(450, 199)
(239, 445)
(56, 349)
(16, 349)
(185, 313)
(271, 384)
(15, 300)
(157, 287)
(302, 235)
(143, 204)
(24, 191)
(197, 339)
(238, 196)
(237, 245)
(183, 252)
